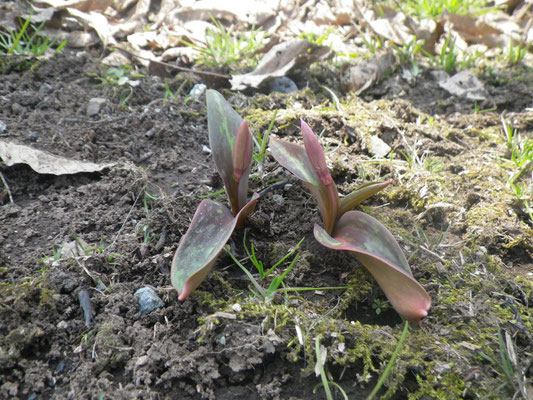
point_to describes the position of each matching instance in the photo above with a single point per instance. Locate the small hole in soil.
(367, 315)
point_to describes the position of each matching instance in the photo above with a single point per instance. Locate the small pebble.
(236, 307)
(278, 199)
(33, 136)
(62, 325)
(378, 147)
(3, 126)
(45, 88)
(282, 84)
(95, 105)
(148, 300)
(197, 91)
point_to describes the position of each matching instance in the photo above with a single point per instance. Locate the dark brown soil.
(130, 218)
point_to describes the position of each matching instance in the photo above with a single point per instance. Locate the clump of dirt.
(113, 232)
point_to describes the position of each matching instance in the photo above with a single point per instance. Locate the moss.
(21, 339)
(472, 296)
(22, 296)
(111, 349)
(465, 319)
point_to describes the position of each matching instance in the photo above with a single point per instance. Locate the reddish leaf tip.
(242, 155)
(315, 153)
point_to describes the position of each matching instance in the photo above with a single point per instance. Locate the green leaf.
(210, 229)
(223, 123)
(375, 247)
(361, 194)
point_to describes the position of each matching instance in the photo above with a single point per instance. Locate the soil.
(105, 235)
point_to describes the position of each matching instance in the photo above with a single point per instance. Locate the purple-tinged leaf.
(223, 123)
(242, 162)
(375, 247)
(293, 157)
(242, 151)
(328, 203)
(246, 210)
(316, 154)
(359, 195)
(309, 164)
(210, 229)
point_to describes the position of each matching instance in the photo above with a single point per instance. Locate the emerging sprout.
(213, 224)
(364, 236)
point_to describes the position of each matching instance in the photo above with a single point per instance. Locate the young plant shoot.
(364, 236)
(213, 224)
(232, 147)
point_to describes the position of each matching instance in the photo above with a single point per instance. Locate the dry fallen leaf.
(43, 162)
(360, 77)
(465, 84)
(279, 61)
(96, 21)
(475, 31)
(399, 28)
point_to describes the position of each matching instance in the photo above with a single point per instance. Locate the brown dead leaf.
(96, 21)
(43, 162)
(279, 61)
(360, 77)
(93, 5)
(475, 31)
(465, 84)
(399, 28)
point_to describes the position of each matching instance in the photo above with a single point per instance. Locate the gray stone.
(282, 84)
(197, 91)
(33, 136)
(45, 88)
(278, 199)
(378, 147)
(95, 105)
(148, 300)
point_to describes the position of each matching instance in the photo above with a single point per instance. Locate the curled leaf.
(308, 163)
(210, 229)
(361, 194)
(242, 151)
(223, 124)
(316, 154)
(375, 247)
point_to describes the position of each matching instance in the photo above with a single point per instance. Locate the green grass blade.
(391, 362)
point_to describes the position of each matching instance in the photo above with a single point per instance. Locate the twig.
(88, 121)
(85, 303)
(185, 69)
(270, 188)
(7, 188)
(432, 253)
